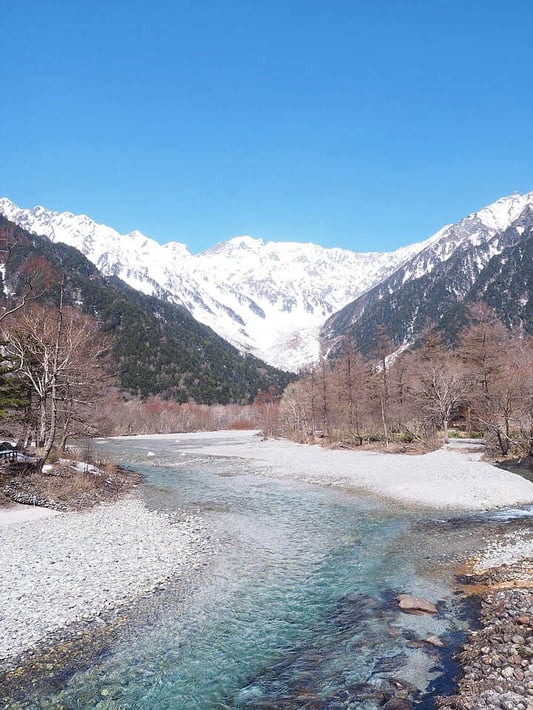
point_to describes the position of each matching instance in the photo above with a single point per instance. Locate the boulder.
(397, 704)
(434, 641)
(415, 605)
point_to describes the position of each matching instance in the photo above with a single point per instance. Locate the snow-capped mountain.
(157, 348)
(440, 276)
(268, 298)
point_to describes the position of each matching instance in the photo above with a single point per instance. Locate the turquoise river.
(292, 607)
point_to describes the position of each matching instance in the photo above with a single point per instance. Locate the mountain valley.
(286, 303)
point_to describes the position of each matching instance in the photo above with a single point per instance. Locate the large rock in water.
(397, 704)
(415, 605)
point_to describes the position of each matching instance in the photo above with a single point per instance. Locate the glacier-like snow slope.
(267, 298)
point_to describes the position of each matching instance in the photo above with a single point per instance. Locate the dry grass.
(393, 447)
(241, 424)
(64, 487)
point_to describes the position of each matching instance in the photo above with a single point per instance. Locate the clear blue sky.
(362, 124)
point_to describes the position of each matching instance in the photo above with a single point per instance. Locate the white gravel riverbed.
(440, 479)
(71, 567)
(510, 549)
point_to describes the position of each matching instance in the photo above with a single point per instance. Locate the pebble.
(495, 661)
(74, 566)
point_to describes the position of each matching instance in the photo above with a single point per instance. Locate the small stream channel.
(296, 609)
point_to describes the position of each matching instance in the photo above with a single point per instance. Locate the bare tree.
(485, 349)
(296, 410)
(266, 404)
(380, 380)
(440, 387)
(351, 377)
(59, 354)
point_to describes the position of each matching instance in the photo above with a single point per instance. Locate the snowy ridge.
(439, 276)
(267, 298)
(475, 229)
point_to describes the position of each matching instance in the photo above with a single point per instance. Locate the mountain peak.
(245, 241)
(500, 214)
(265, 296)
(241, 243)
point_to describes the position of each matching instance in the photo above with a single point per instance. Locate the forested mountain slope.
(494, 267)
(158, 347)
(267, 298)
(506, 285)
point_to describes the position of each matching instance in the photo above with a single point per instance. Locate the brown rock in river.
(397, 704)
(415, 605)
(434, 641)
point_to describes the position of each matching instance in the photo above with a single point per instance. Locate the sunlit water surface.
(297, 608)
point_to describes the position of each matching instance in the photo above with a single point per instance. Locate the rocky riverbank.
(81, 567)
(497, 660)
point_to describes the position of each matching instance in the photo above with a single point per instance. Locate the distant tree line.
(484, 383)
(121, 415)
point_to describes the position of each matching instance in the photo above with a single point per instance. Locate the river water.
(296, 608)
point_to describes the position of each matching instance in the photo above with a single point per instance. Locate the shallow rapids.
(297, 606)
